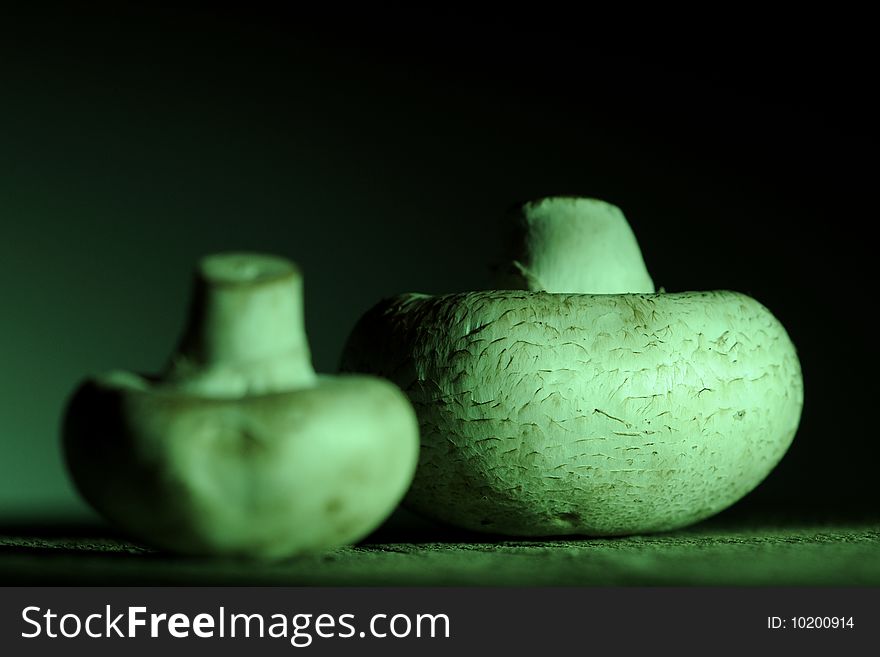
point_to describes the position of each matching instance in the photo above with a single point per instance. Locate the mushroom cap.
(545, 414)
(266, 475)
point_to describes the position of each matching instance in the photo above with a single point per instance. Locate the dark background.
(133, 141)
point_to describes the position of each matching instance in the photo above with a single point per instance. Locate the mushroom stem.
(245, 333)
(572, 245)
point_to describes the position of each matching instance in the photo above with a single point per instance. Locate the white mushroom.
(563, 412)
(239, 448)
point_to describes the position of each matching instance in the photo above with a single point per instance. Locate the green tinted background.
(131, 144)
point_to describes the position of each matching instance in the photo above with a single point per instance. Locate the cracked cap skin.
(549, 412)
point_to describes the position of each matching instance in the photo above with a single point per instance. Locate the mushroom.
(239, 448)
(576, 400)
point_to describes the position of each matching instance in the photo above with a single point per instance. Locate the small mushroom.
(239, 448)
(575, 399)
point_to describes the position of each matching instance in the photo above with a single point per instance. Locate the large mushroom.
(239, 448)
(575, 399)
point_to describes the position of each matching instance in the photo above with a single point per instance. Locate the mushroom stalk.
(245, 333)
(572, 245)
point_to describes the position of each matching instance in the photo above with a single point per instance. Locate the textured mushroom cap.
(547, 414)
(267, 475)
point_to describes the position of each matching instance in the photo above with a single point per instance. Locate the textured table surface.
(732, 549)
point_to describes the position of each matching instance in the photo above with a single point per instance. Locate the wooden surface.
(732, 549)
